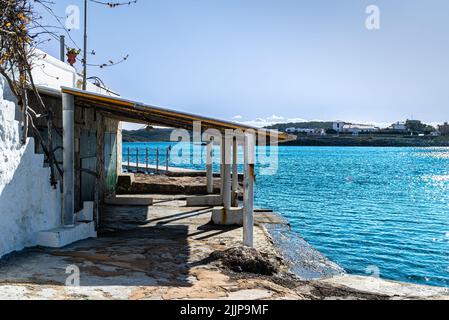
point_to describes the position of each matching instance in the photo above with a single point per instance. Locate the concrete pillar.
(248, 192)
(227, 173)
(222, 160)
(68, 143)
(235, 173)
(209, 169)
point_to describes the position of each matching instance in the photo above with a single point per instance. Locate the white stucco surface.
(28, 203)
(52, 73)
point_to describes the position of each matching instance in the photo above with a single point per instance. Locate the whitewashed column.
(227, 173)
(68, 159)
(235, 172)
(222, 160)
(248, 192)
(209, 168)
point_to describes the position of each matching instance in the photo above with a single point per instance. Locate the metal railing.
(134, 157)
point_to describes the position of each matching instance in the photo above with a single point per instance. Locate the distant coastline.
(373, 140)
(147, 135)
(409, 133)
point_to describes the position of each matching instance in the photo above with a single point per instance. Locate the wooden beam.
(163, 113)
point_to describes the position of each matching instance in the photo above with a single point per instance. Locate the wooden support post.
(128, 160)
(248, 192)
(146, 158)
(68, 144)
(137, 159)
(227, 174)
(222, 160)
(167, 154)
(157, 160)
(209, 168)
(99, 186)
(235, 173)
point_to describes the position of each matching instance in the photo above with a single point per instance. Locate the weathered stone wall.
(94, 133)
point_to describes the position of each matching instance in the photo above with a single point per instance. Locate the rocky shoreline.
(305, 261)
(309, 267)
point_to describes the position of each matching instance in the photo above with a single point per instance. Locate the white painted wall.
(338, 126)
(28, 203)
(53, 73)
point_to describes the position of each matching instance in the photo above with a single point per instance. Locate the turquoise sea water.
(370, 210)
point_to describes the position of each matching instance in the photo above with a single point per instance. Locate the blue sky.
(276, 59)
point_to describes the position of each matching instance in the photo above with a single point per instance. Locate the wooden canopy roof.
(132, 111)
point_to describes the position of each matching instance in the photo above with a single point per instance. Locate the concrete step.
(63, 236)
(130, 200)
(232, 216)
(207, 200)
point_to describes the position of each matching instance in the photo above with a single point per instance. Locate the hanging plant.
(72, 53)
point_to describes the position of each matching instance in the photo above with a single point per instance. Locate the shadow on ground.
(137, 246)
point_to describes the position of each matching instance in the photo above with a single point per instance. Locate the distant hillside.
(304, 125)
(144, 135)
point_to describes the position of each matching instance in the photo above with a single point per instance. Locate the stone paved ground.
(161, 252)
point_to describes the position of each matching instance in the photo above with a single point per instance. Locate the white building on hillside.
(345, 127)
(309, 131)
(399, 126)
(338, 126)
(300, 130)
(359, 128)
